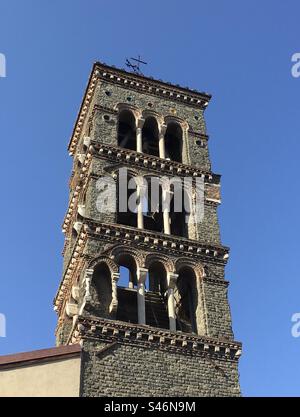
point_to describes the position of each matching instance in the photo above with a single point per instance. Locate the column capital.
(141, 182)
(140, 123)
(162, 129)
(172, 279)
(141, 275)
(88, 273)
(115, 276)
(165, 185)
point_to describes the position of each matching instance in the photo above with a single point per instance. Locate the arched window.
(152, 205)
(127, 130)
(180, 208)
(173, 142)
(126, 203)
(156, 297)
(127, 296)
(186, 300)
(127, 271)
(158, 278)
(150, 137)
(101, 290)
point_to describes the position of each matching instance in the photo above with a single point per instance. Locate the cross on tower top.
(135, 67)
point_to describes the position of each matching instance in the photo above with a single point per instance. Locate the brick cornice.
(151, 162)
(159, 241)
(112, 331)
(152, 86)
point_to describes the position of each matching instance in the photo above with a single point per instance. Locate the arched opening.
(126, 203)
(158, 278)
(180, 209)
(127, 130)
(152, 205)
(173, 142)
(127, 266)
(150, 137)
(127, 296)
(101, 290)
(156, 296)
(186, 300)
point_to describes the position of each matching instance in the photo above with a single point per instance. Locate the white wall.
(59, 378)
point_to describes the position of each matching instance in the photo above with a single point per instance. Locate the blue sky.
(238, 51)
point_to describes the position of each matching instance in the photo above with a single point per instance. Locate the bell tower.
(143, 287)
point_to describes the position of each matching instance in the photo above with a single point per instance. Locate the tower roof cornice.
(166, 89)
(141, 83)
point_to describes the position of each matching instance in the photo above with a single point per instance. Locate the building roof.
(38, 356)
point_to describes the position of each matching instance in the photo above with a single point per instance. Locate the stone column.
(166, 197)
(139, 139)
(141, 278)
(172, 278)
(161, 141)
(114, 300)
(140, 191)
(130, 283)
(88, 279)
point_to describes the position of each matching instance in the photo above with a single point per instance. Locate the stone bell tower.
(143, 290)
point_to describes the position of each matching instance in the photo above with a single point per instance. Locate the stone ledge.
(150, 337)
(155, 240)
(151, 162)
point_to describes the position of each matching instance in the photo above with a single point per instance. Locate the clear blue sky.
(240, 51)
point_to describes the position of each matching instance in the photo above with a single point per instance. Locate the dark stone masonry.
(144, 292)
